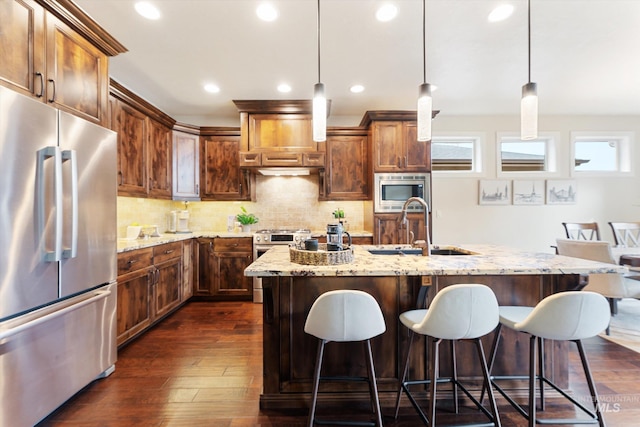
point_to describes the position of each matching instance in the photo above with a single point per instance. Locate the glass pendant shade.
(529, 112)
(319, 113)
(425, 105)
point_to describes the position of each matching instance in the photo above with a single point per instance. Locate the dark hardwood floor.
(202, 366)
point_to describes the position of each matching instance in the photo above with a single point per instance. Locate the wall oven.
(263, 240)
(391, 190)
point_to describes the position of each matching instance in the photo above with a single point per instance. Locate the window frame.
(551, 140)
(477, 139)
(624, 152)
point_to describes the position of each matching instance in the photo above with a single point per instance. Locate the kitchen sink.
(418, 251)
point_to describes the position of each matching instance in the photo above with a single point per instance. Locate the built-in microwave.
(391, 190)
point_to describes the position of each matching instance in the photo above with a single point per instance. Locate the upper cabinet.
(58, 55)
(394, 142)
(145, 145)
(220, 174)
(280, 132)
(347, 174)
(186, 163)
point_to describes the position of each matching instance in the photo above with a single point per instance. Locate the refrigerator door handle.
(73, 158)
(41, 211)
(8, 333)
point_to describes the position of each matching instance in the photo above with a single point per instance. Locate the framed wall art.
(561, 192)
(528, 192)
(494, 192)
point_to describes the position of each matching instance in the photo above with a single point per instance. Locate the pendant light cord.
(318, 34)
(424, 42)
(529, 37)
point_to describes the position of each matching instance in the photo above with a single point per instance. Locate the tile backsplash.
(290, 201)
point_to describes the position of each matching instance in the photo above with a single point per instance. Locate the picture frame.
(494, 192)
(529, 192)
(561, 192)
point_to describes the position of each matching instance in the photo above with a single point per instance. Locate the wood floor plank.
(202, 366)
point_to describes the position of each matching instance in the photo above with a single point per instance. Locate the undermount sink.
(418, 251)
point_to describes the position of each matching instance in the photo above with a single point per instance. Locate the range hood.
(285, 171)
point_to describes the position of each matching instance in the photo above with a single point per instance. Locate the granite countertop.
(125, 245)
(488, 260)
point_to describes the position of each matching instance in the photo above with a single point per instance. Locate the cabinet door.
(221, 177)
(132, 150)
(387, 140)
(286, 132)
(167, 289)
(417, 155)
(133, 310)
(186, 166)
(160, 160)
(347, 171)
(387, 228)
(77, 72)
(231, 280)
(22, 46)
(204, 286)
(188, 254)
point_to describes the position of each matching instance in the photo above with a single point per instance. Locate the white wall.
(458, 218)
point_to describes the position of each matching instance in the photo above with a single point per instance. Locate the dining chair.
(582, 230)
(626, 234)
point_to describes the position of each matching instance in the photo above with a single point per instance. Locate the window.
(536, 157)
(458, 154)
(601, 153)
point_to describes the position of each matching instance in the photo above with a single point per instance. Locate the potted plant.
(246, 219)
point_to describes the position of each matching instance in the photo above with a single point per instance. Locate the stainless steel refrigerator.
(58, 265)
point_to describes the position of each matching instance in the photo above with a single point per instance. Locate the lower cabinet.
(387, 228)
(221, 264)
(150, 286)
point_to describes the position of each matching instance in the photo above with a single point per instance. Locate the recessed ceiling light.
(211, 88)
(147, 10)
(357, 88)
(284, 88)
(386, 12)
(500, 13)
(267, 12)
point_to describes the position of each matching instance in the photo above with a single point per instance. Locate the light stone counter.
(125, 245)
(490, 260)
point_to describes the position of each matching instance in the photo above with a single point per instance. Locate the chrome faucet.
(424, 244)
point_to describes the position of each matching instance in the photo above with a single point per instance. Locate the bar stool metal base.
(493, 418)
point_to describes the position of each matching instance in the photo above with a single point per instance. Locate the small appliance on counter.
(334, 237)
(178, 221)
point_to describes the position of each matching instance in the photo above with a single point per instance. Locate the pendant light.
(425, 102)
(529, 103)
(319, 100)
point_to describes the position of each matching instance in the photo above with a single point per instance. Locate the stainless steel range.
(263, 240)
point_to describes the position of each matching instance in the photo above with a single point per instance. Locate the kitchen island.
(400, 283)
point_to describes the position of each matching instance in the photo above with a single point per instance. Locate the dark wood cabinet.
(160, 154)
(280, 132)
(61, 62)
(150, 286)
(145, 151)
(346, 175)
(220, 175)
(397, 149)
(387, 228)
(186, 166)
(221, 264)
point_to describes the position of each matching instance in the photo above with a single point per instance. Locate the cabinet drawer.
(313, 159)
(134, 260)
(250, 159)
(233, 244)
(281, 159)
(167, 251)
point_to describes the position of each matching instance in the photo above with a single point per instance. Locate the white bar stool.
(565, 316)
(344, 316)
(458, 312)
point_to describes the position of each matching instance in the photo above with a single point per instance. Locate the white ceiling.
(585, 55)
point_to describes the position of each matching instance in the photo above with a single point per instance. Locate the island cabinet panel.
(397, 149)
(221, 177)
(290, 353)
(346, 175)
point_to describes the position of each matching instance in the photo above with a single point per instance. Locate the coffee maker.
(334, 237)
(178, 221)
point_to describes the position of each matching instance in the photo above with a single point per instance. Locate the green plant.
(246, 218)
